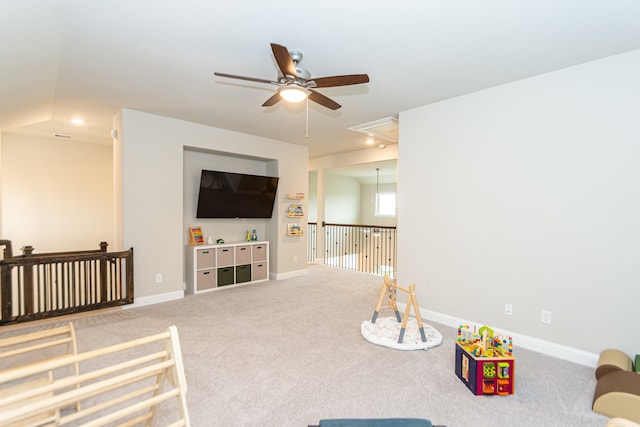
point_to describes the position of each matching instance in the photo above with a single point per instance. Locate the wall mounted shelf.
(294, 230)
(295, 211)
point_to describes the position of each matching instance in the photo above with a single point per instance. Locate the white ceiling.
(66, 58)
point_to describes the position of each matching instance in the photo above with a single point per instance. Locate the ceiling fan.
(295, 83)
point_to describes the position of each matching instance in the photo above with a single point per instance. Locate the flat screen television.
(235, 195)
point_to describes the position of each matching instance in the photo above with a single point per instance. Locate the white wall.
(312, 209)
(368, 204)
(319, 165)
(152, 150)
(342, 199)
(1, 185)
(368, 155)
(528, 193)
(56, 195)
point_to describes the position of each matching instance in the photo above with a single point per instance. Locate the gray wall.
(150, 211)
(230, 230)
(528, 193)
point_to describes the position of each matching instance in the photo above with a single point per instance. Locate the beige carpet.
(290, 352)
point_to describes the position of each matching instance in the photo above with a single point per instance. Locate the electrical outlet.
(159, 278)
(508, 309)
(545, 317)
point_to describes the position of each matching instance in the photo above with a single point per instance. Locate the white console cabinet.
(212, 266)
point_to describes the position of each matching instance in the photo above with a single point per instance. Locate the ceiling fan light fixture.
(293, 93)
(295, 84)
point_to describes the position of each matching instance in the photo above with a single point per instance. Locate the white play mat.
(386, 330)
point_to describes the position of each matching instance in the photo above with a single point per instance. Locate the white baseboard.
(171, 296)
(155, 299)
(288, 275)
(524, 341)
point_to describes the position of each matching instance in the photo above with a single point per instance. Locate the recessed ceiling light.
(370, 141)
(77, 121)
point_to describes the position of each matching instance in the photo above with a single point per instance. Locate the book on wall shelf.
(294, 230)
(295, 196)
(195, 236)
(295, 211)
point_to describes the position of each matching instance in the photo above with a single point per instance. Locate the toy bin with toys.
(485, 362)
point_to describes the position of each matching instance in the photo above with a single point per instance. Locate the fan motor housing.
(303, 73)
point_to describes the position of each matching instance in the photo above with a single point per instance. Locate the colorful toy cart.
(484, 367)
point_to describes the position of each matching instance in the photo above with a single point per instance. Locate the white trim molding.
(560, 351)
(155, 299)
(289, 274)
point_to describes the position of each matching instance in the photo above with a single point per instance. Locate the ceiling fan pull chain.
(307, 125)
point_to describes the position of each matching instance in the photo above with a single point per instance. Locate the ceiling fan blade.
(250, 79)
(283, 58)
(323, 100)
(346, 80)
(273, 100)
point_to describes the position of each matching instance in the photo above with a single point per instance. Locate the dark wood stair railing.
(366, 248)
(39, 286)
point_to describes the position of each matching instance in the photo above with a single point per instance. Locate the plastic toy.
(484, 361)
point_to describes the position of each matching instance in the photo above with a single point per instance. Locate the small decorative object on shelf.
(195, 236)
(295, 211)
(295, 196)
(254, 236)
(248, 239)
(294, 230)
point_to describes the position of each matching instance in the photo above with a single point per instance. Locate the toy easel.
(389, 288)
